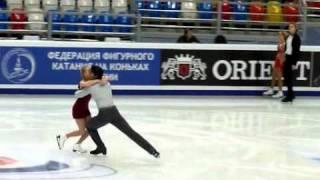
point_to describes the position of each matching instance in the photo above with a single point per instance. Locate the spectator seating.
(85, 5)
(67, 5)
(56, 18)
(189, 5)
(18, 15)
(257, 11)
(102, 5)
(172, 6)
(71, 18)
(106, 19)
(240, 11)
(226, 10)
(154, 5)
(50, 5)
(3, 4)
(314, 4)
(89, 18)
(123, 19)
(3, 17)
(291, 12)
(205, 7)
(120, 6)
(14, 4)
(274, 11)
(36, 15)
(32, 4)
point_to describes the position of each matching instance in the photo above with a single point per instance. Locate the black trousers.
(288, 75)
(112, 115)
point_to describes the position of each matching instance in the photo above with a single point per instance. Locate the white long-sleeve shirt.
(289, 45)
(102, 95)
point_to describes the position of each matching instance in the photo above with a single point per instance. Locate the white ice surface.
(200, 138)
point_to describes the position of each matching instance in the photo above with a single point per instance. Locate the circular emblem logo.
(18, 65)
(6, 161)
(19, 163)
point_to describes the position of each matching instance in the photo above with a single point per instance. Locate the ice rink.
(199, 138)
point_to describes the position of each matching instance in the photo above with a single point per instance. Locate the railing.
(138, 23)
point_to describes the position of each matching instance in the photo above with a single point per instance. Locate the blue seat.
(123, 19)
(56, 18)
(205, 7)
(70, 18)
(3, 4)
(3, 17)
(172, 5)
(140, 5)
(89, 18)
(154, 5)
(239, 7)
(105, 18)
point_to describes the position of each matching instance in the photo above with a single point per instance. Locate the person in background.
(220, 39)
(277, 69)
(188, 37)
(292, 53)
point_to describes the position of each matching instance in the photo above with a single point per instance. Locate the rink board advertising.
(41, 65)
(225, 68)
(149, 69)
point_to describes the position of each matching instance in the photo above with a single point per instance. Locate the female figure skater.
(80, 112)
(277, 69)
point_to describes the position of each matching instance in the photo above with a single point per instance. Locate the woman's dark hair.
(97, 71)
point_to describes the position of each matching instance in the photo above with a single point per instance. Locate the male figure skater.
(108, 113)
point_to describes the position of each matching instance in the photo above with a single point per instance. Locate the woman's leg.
(279, 78)
(82, 129)
(274, 76)
(77, 132)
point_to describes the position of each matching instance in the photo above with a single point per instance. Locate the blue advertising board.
(47, 65)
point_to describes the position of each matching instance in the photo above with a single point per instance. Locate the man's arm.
(296, 49)
(87, 84)
(82, 93)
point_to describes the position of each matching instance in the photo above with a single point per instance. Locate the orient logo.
(252, 70)
(184, 67)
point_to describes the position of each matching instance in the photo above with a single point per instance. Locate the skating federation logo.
(18, 65)
(184, 67)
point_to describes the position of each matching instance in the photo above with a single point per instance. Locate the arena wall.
(52, 67)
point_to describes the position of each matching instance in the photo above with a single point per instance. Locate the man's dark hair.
(186, 31)
(220, 39)
(97, 71)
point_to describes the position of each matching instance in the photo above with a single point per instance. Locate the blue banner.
(42, 65)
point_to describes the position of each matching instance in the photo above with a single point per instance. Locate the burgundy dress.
(80, 108)
(277, 63)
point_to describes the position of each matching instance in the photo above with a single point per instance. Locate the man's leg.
(123, 126)
(286, 75)
(92, 127)
(290, 84)
(289, 79)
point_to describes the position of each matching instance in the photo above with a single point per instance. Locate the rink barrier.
(52, 67)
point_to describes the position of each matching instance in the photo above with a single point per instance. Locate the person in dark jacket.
(292, 55)
(188, 37)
